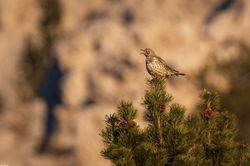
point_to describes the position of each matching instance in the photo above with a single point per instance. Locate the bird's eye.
(147, 51)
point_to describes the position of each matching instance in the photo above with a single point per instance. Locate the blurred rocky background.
(65, 64)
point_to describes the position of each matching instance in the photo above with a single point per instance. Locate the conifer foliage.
(171, 138)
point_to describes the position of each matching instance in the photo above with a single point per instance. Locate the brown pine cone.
(121, 123)
(208, 112)
(133, 124)
(161, 107)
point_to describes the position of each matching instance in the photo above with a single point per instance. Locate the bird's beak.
(143, 51)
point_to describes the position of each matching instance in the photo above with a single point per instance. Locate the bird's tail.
(180, 74)
(176, 73)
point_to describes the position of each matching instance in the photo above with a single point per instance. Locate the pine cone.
(161, 107)
(121, 123)
(208, 113)
(133, 124)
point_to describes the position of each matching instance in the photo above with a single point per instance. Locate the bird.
(157, 67)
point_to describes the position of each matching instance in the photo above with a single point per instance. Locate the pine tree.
(171, 138)
(218, 129)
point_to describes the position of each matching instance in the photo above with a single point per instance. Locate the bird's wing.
(157, 66)
(166, 66)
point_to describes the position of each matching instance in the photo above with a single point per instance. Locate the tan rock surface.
(98, 49)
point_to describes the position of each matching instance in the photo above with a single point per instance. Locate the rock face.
(96, 44)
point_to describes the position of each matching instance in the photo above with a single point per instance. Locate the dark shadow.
(51, 94)
(218, 9)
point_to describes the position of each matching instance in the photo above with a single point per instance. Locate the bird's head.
(147, 52)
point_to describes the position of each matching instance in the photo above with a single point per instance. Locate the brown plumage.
(157, 67)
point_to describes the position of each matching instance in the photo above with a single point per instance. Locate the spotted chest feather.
(156, 68)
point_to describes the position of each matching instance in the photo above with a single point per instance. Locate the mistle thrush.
(157, 67)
